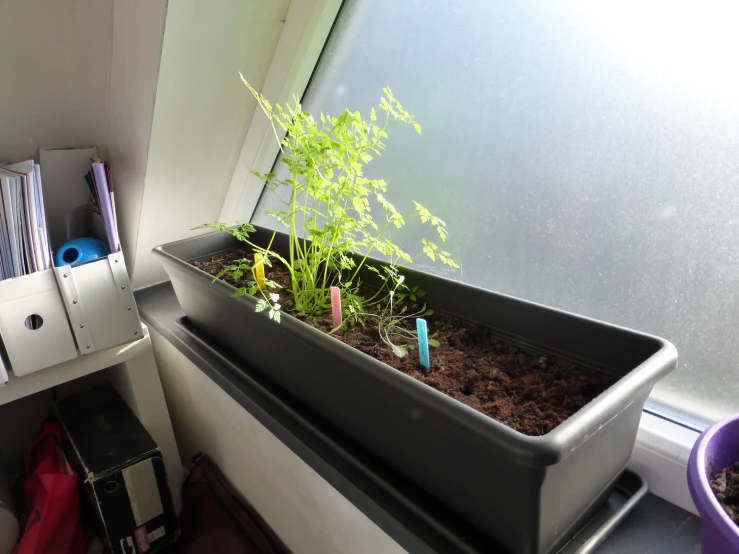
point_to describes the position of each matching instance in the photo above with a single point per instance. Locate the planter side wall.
(438, 455)
(590, 469)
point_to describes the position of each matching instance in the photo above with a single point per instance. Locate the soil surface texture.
(529, 393)
(725, 486)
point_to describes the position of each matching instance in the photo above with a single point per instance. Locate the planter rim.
(705, 500)
(543, 450)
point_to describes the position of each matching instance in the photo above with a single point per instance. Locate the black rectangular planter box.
(528, 494)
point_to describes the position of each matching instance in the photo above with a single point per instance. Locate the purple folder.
(106, 206)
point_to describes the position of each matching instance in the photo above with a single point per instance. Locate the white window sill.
(661, 455)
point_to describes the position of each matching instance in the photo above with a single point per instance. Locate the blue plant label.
(423, 343)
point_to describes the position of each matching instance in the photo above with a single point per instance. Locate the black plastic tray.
(629, 490)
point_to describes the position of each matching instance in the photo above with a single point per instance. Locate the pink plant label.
(142, 539)
(336, 309)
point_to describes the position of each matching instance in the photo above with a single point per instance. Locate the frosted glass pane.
(585, 155)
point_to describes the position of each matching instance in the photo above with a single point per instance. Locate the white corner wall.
(308, 514)
(162, 100)
(81, 73)
(201, 115)
(55, 74)
(137, 33)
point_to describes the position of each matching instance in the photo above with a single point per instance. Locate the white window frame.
(661, 456)
(662, 446)
(307, 26)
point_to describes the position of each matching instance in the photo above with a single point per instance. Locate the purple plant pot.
(716, 449)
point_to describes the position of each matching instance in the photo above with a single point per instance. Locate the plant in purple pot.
(713, 479)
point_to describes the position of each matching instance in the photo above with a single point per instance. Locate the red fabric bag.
(54, 523)
(216, 519)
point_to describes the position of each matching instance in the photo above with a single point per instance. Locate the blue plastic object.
(81, 250)
(423, 343)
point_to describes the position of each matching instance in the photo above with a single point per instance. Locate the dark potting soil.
(725, 486)
(529, 393)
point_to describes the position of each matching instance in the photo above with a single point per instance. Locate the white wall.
(308, 514)
(54, 91)
(163, 101)
(54, 74)
(137, 33)
(80, 73)
(201, 115)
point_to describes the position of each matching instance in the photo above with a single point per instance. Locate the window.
(585, 155)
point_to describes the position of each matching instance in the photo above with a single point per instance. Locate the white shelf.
(18, 387)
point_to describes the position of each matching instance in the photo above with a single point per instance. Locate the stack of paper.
(79, 186)
(3, 373)
(63, 171)
(100, 181)
(24, 240)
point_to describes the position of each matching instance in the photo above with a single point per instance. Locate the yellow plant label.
(259, 270)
